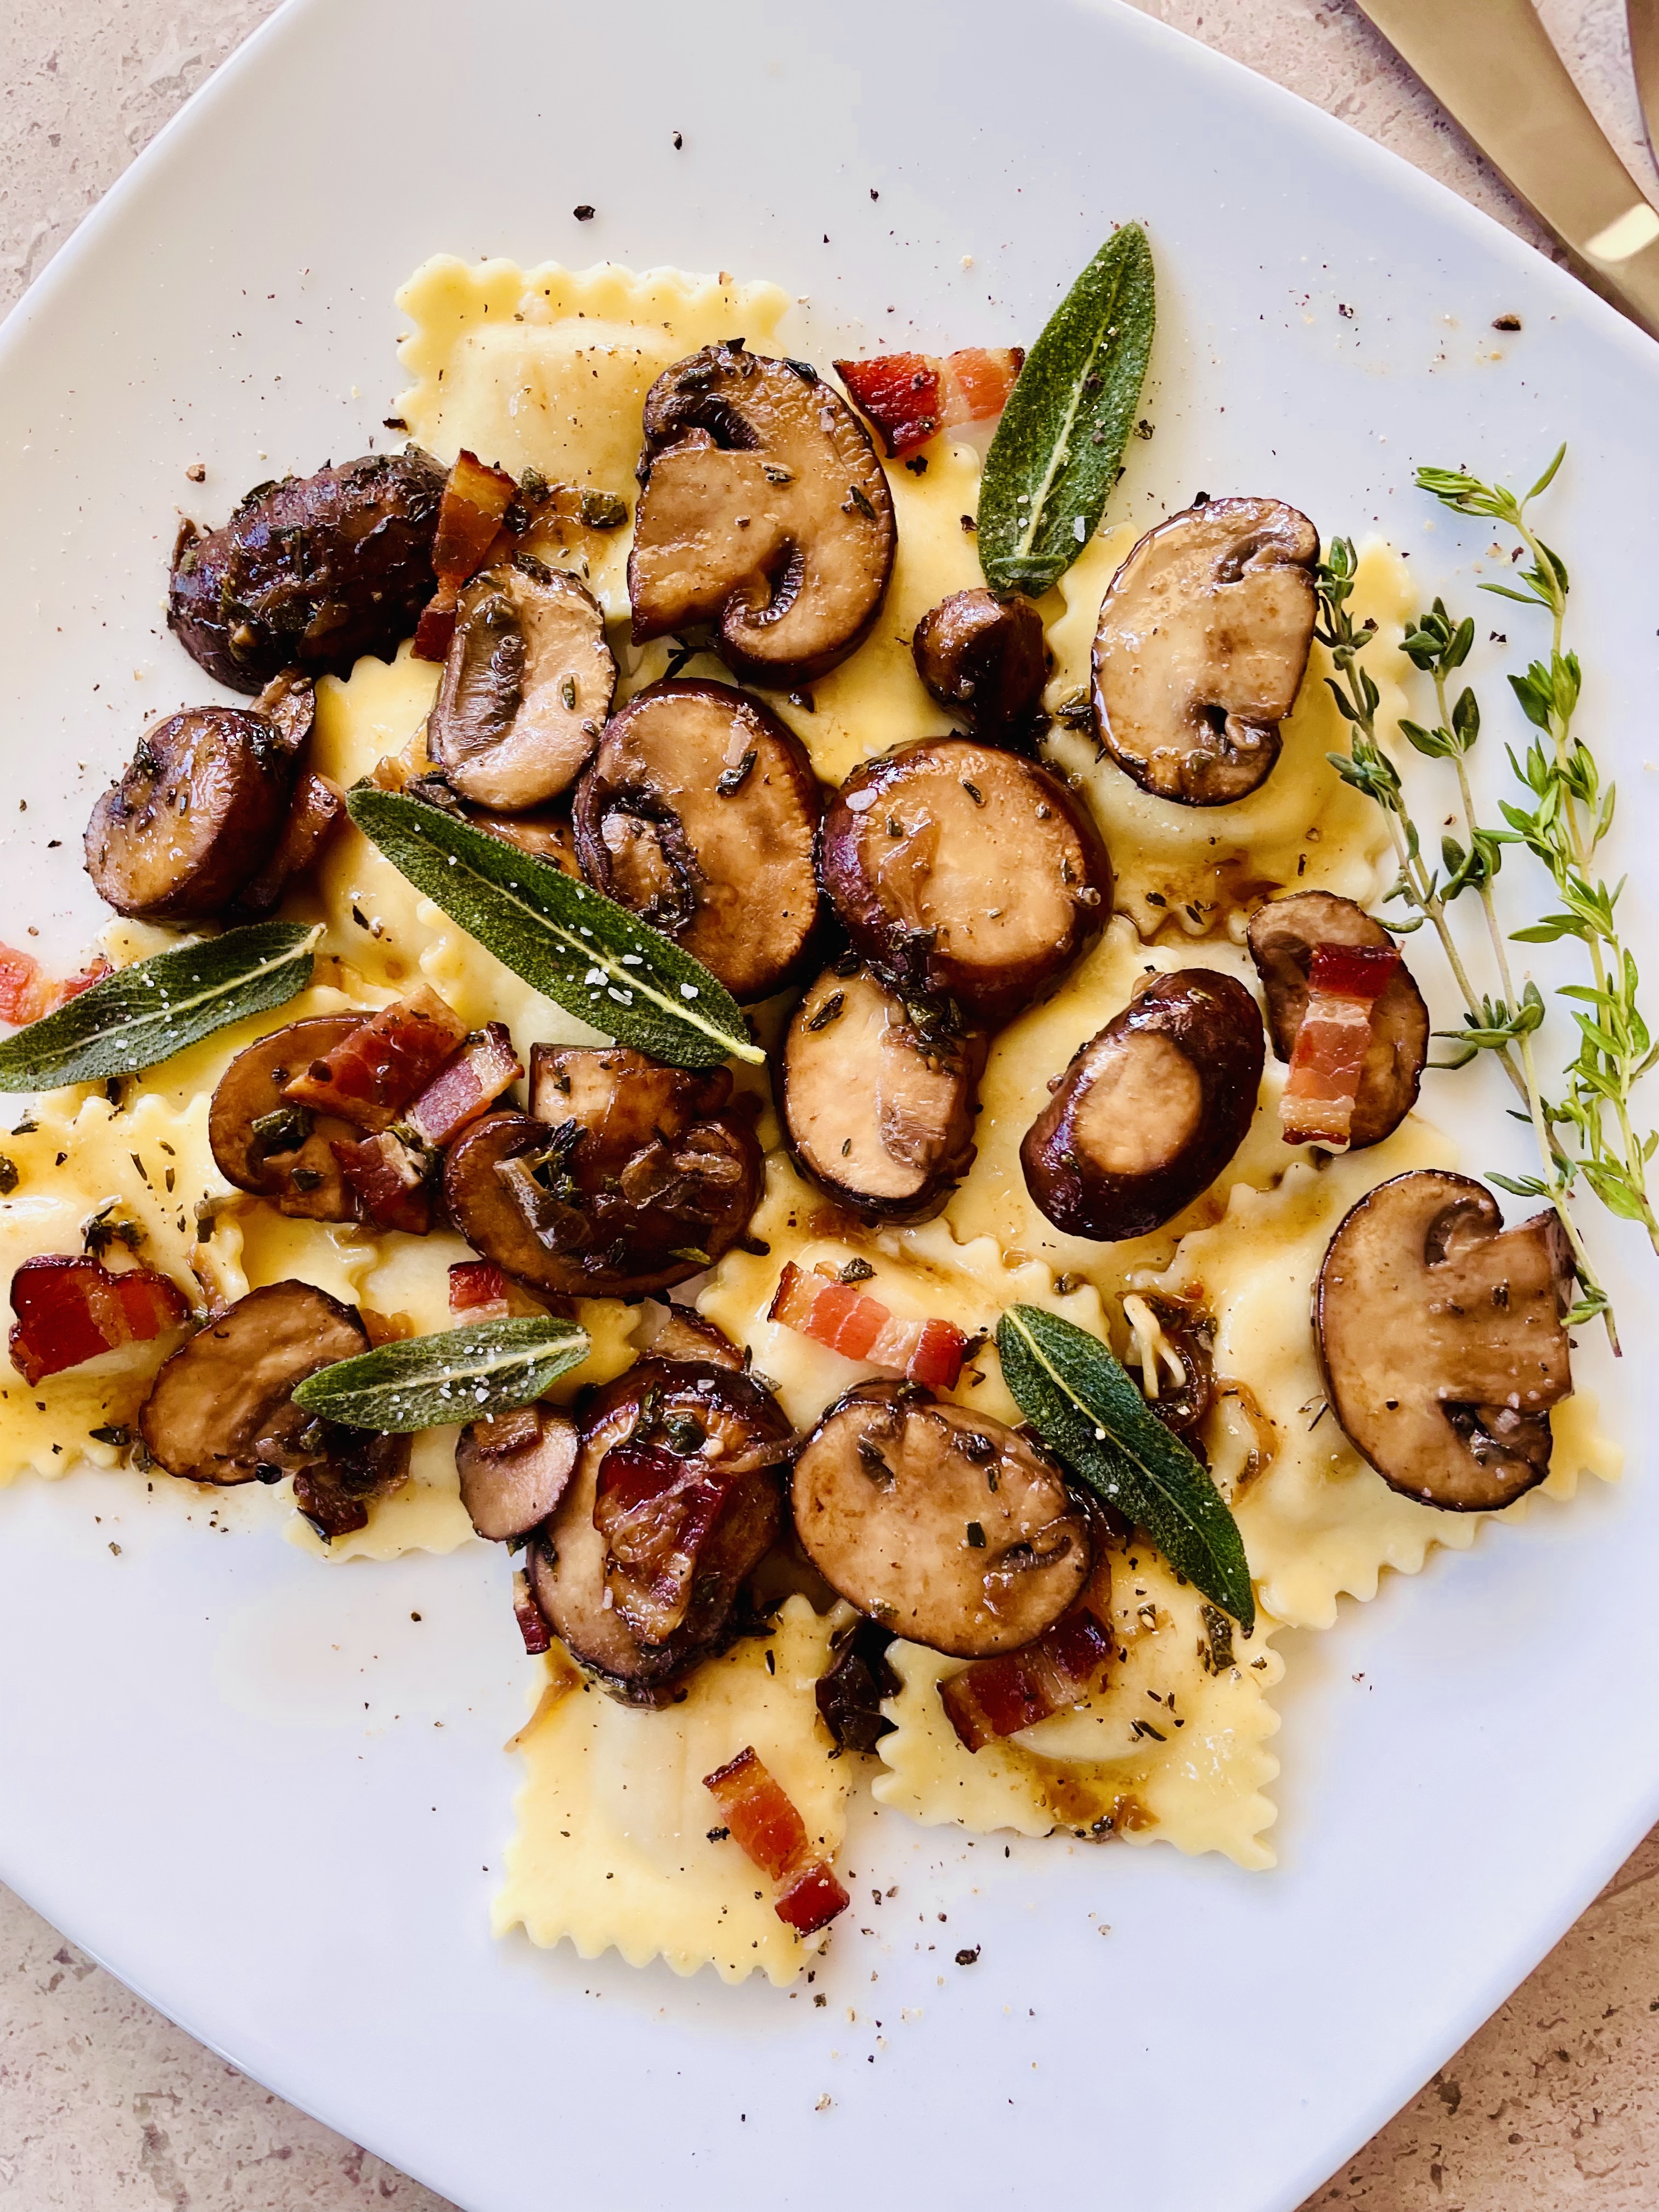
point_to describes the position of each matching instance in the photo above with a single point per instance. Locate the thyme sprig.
(1505, 1023)
(1571, 813)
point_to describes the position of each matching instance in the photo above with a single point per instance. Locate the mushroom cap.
(1282, 934)
(1441, 1341)
(526, 687)
(947, 1526)
(876, 1112)
(699, 812)
(1201, 648)
(982, 655)
(196, 813)
(293, 1140)
(961, 870)
(765, 512)
(1151, 1108)
(312, 572)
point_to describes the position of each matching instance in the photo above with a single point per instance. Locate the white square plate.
(222, 1768)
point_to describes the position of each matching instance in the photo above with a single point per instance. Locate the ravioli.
(618, 1843)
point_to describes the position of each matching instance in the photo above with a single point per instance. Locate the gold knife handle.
(1490, 64)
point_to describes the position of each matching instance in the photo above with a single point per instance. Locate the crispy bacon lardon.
(370, 1077)
(27, 992)
(995, 1698)
(912, 396)
(766, 1827)
(71, 1309)
(1344, 985)
(819, 1306)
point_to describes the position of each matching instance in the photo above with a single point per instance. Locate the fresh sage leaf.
(142, 1015)
(1059, 448)
(459, 1375)
(1088, 1411)
(571, 944)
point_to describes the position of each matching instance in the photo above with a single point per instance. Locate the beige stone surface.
(106, 2106)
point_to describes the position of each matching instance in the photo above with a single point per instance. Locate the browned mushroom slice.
(681, 1333)
(672, 1553)
(1441, 1339)
(549, 836)
(1149, 1110)
(263, 1143)
(877, 1111)
(963, 872)
(630, 1177)
(513, 1470)
(526, 687)
(765, 514)
(311, 572)
(981, 655)
(196, 814)
(946, 1526)
(1284, 935)
(1203, 639)
(698, 812)
(220, 1409)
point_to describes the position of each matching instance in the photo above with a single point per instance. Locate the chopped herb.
(828, 1012)
(732, 780)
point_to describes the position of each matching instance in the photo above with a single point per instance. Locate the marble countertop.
(105, 2105)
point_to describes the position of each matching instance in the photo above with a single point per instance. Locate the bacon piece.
(998, 1697)
(911, 397)
(318, 806)
(537, 1636)
(767, 1829)
(475, 503)
(658, 1514)
(466, 1086)
(371, 1075)
(833, 1314)
(70, 1309)
(390, 1177)
(1344, 984)
(27, 992)
(478, 1289)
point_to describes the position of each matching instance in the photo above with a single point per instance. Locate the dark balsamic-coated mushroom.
(1440, 1340)
(962, 871)
(1203, 638)
(942, 1524)
(264, 1143)
(849, 1697)
(627, 1178)
(514, 1470)
(655, 1526)
(699, 812)
(1149, 1110)
(312, 572)
(876, 1110)
(201, 809)
(1284, 934)
(526, 686)
(221, 1408)
(765, 515)
(981, 655)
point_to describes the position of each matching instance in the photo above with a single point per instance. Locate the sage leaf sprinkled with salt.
(1059, 446)
(571, 944)
(1088, 1411)
(459, 1375)
(143, 1014)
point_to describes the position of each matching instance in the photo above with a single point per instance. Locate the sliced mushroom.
(982, 655)
(698, 813)
(630, 1178)
(962, 871)
(681, 1333)
(587, 1591)
(765, 514)
(1283, 935)
(1440, 1340)
(514, 1470)
(526, 687)
(1149, 1110)
(263, 1143)
(1203, 638)
(220, 1409)
(549, 836)
(195, 816)
(942, 1524)
(849, 1697)
(879, 1110)
(312, 572)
